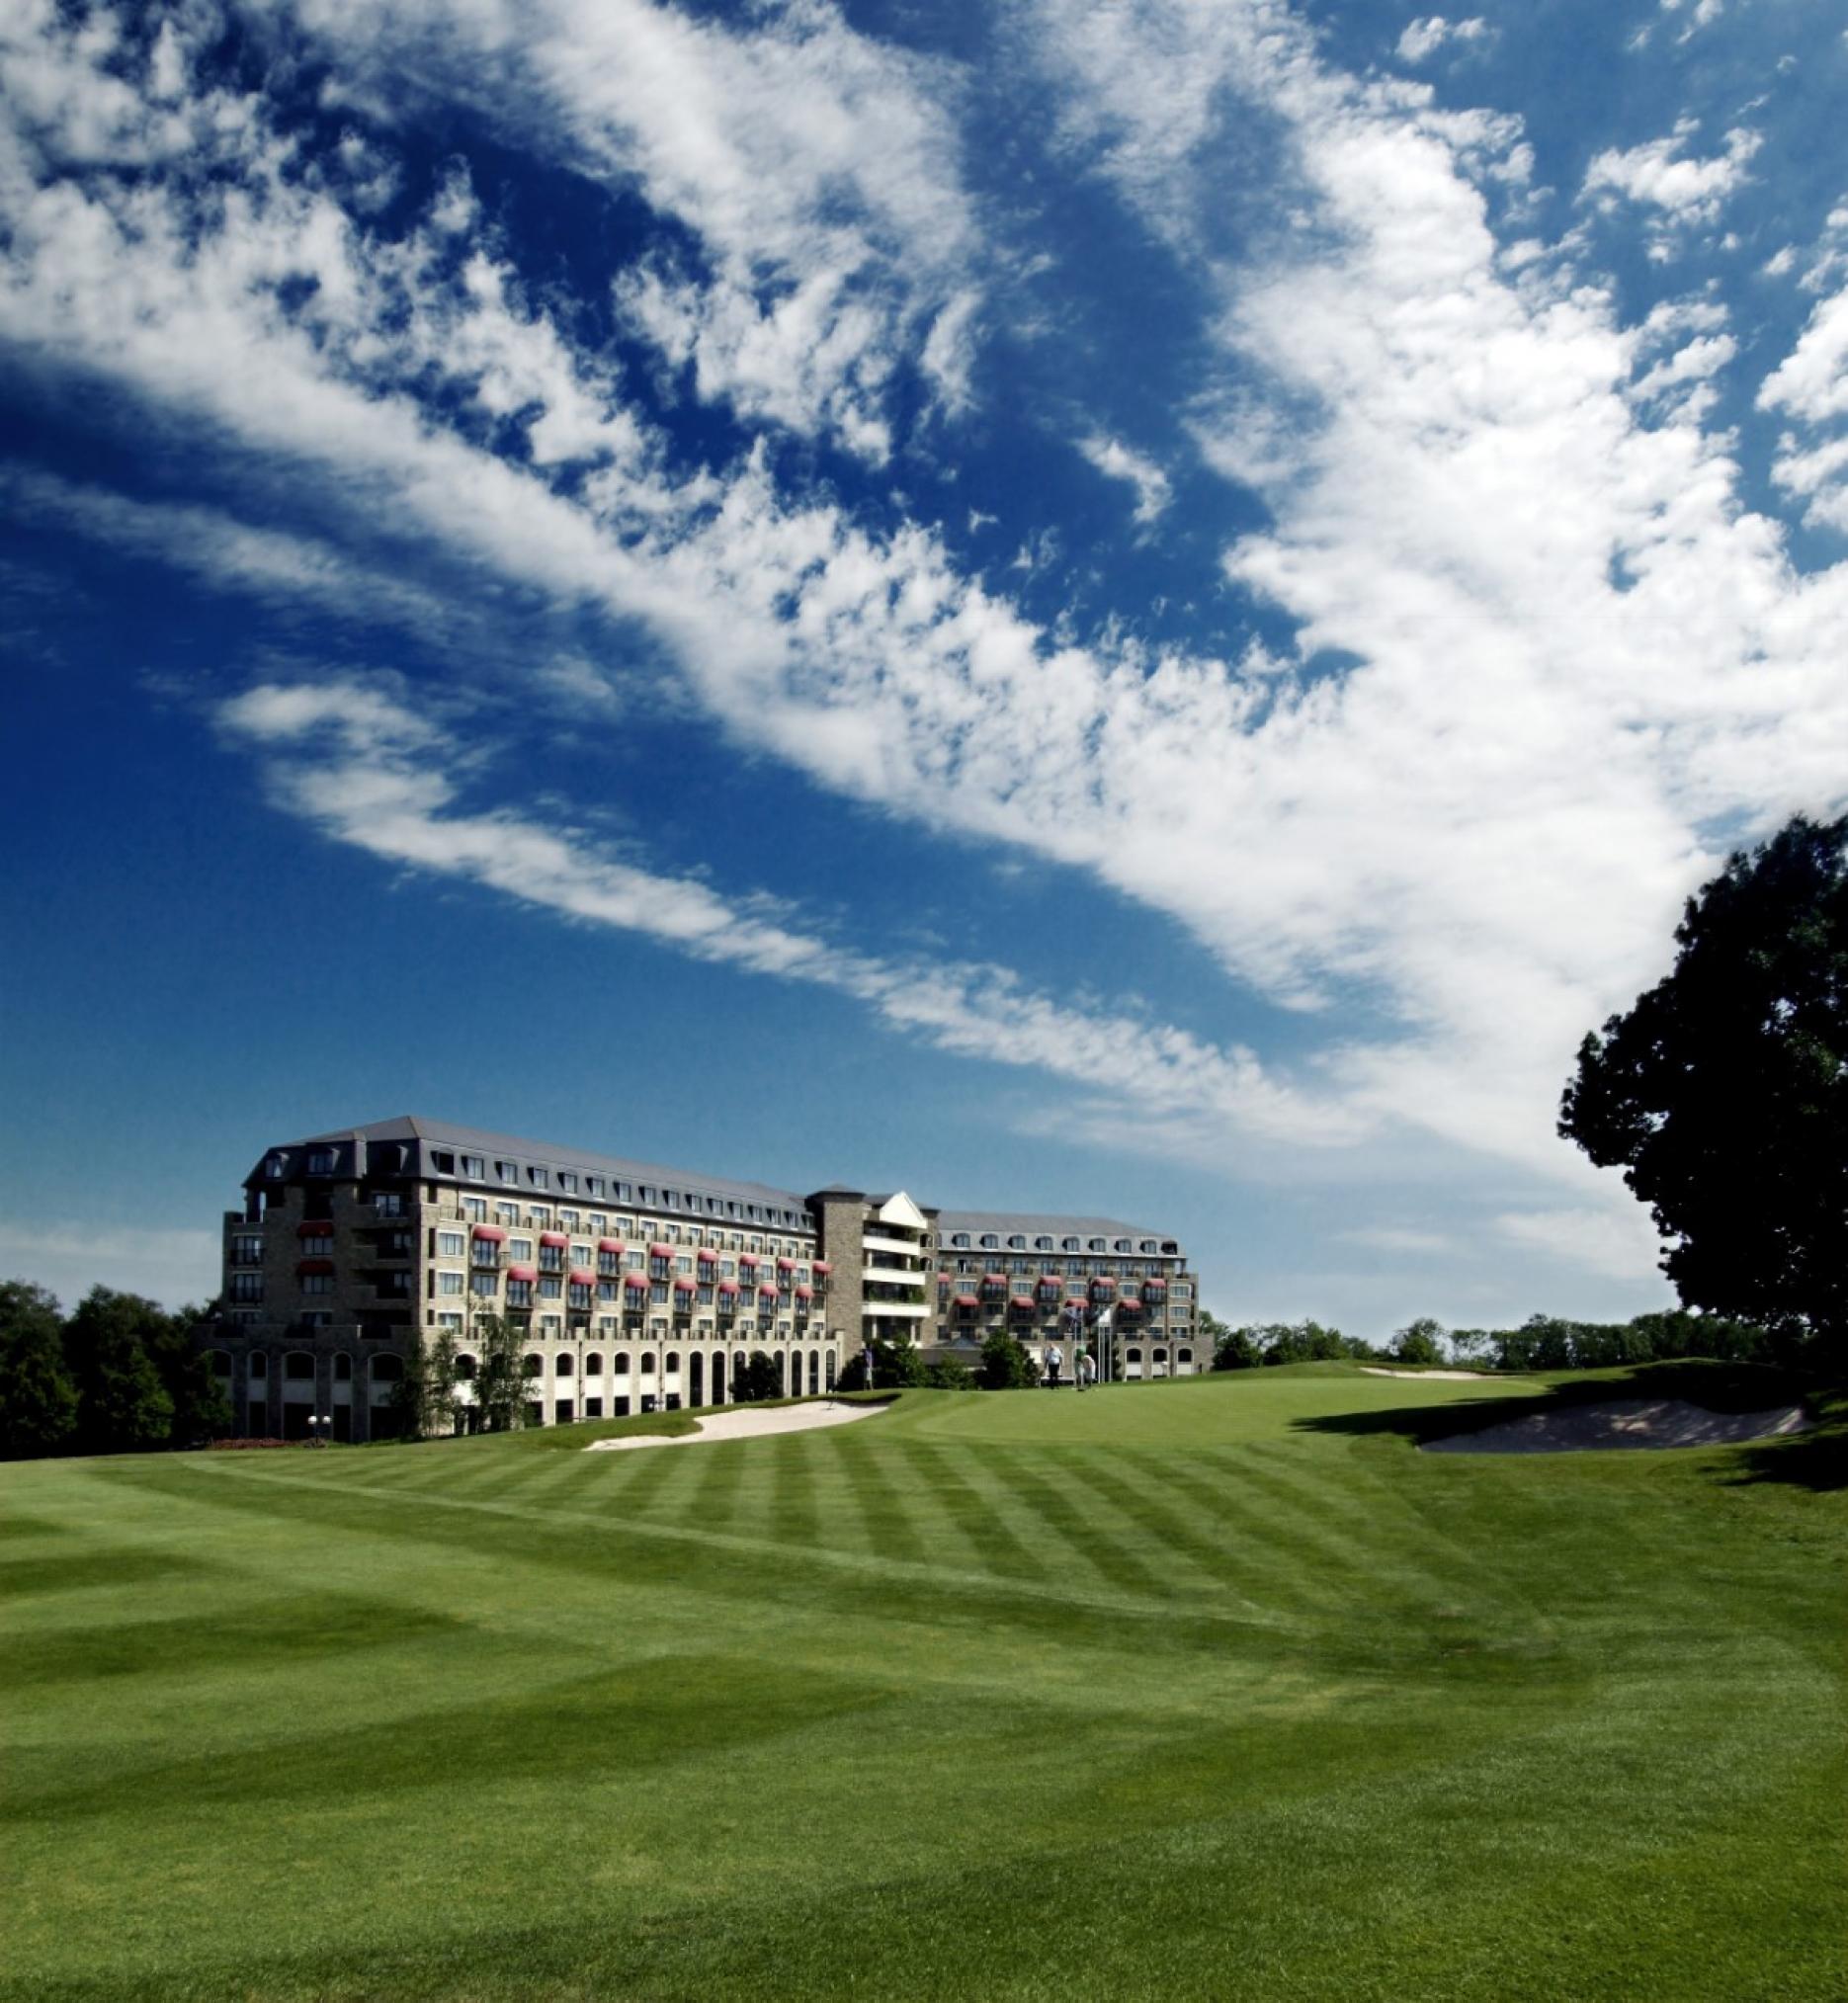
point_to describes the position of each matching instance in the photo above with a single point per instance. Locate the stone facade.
(633, 1286)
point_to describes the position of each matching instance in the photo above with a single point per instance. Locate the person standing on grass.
(865, 1363)
(1087, 1370)
(1052, 1361)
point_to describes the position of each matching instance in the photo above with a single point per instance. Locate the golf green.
(1217, 1688)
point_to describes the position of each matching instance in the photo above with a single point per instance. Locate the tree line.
(117, 1374)
(1543, 1342)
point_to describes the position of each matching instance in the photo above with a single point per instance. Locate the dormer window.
(321, 1161)
(989, 1242)
(1123, 1245)
(539, 1177)
(474, 1168)
(959, 1241)
(507, 1171)
(1099, 1245)
(1043, 1244)
(1071, 1244)
(273, 1167)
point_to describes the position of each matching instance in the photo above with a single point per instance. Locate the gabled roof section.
(900, 1209)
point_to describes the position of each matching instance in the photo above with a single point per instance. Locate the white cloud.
(818, 169)
(1615, 1243)
(1569, 650)
(1118, 462)
(369, 772)
(176, 1267)
(1658, 174)
(1423, 37)
(1399, 1238)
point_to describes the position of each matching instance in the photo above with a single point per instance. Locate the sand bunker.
(1444, 1377)
(1622, 1422)
(744, 1424)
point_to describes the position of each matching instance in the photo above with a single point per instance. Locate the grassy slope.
(1201, 1688)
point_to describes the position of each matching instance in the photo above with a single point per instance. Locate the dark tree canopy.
(1722, 1094)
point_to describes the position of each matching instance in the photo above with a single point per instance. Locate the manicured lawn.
(1209, 1689)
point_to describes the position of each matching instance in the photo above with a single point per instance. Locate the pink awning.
(682, 1285)
(766, 1293)
(638, 1281)
(490, 1231)
(315, 1228)
(966, 1301)
(707, 1258)
(609, 1245)
(526, 1273)
(660, 1251)
(583, 1279)
(785, 1265)
(805, 1293)
(727, 1287)
(314, 1265)
(823, 1268)
(554, 1238)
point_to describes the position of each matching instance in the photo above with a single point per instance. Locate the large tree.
(123, 1407)
(1723, 1093)
(37, 1399)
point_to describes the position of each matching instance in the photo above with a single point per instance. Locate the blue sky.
(1145, 609)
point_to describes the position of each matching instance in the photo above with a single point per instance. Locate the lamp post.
(321, 1430)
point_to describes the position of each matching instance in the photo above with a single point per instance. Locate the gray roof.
(1032, 1224)
(549, 1154)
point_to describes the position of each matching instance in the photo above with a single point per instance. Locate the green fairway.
(1215, 1688)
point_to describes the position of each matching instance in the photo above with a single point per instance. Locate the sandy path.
(746, 1425)
(1444, 1377)
(1623, 1422)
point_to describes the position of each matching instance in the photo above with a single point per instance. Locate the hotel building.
(633, 1286)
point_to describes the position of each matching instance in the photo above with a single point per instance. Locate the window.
(321, 1161)
(519, 1294)
(484, 1285)
(247, 1250)
(442, 1163)
(595, 1186)
(317, 1282)
(561, 1364)
(549, 1326)
(593, 1365)
(1043, 1244)
(619, 1363)
(1017, 1243)
(451, 1325)
(273, 1167)
(989, 1242)
(537, 1216)
(506, 1172)
(259, 1365)
(474, 1209)
(1071, 1245)
(449, 1282)
(506, 1214)
(474, 1168)
(567, 1182)
(533, 1366)
(539, 1177)
(551, 1286)
(247, 1286)
(316, 1317)
(568, 1220)
(449, 1244)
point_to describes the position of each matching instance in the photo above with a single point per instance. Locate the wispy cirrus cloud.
(1119, 461)
(372, 773)
(1542, 650)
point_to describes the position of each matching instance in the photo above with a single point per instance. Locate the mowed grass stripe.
(946, 1476)
(880, 1524)
(548, 1747)
(1125, 1488)
(1362, 1569)
(1044, 1499)
(743, 1568)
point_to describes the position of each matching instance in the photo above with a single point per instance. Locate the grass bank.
(1217, 1688)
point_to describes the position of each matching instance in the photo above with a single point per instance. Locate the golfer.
(1053, 1361)
(1087, 1370)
